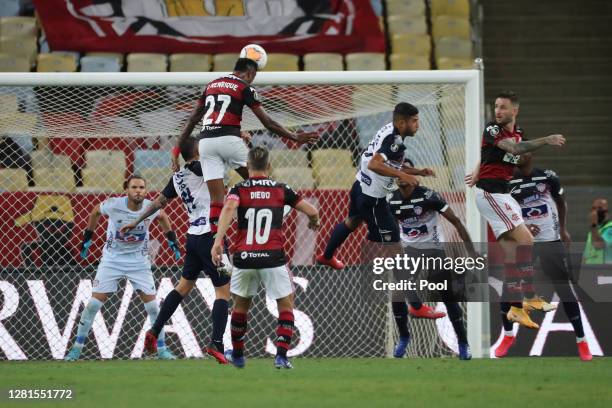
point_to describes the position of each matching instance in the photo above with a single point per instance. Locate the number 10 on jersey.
(259, 225)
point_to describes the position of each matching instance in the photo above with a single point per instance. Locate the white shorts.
(501, 211)
(110, 273)
(216, 152)
(277, 281)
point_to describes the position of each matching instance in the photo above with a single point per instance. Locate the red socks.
(238, 325)
(284, 331)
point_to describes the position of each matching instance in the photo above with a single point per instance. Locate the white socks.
(87, 318)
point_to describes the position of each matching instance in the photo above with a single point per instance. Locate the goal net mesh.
(64, 149)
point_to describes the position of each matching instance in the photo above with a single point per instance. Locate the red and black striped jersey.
(223, 100)
(497, 165)
(260, 241)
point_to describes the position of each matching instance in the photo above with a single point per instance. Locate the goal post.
(82, 132)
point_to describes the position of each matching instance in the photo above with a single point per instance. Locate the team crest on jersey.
(541, 187)
(414, 232)
(394, 147)
(255, 94)
(418, 210)
(493, 130)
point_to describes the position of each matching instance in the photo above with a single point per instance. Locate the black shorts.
(197, 258)
(382, 225)
(554, 262)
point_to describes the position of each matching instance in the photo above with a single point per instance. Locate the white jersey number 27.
(210, 107)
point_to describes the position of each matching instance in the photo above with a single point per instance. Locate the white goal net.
(69, 140)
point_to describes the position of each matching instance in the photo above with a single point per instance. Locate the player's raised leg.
(342, 230)
(517, 245)
(503, 214)
(214, 152)
(87, 317)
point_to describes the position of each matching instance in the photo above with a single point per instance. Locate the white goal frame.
(477, 312)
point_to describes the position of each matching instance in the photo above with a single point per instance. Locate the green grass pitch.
(515, 382)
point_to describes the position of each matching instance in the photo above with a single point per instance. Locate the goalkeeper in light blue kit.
(124, 256)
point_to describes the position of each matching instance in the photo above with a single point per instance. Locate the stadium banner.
(41, 307)
(210, 26)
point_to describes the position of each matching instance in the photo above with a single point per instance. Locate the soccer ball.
(256, 53)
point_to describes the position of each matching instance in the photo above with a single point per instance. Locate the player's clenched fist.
(427, 172)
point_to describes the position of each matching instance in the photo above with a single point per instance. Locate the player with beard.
(502, 144)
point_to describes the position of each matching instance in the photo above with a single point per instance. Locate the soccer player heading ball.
(220, 110)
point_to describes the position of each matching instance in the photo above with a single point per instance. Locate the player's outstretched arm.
(378, 166)
(278, 129)
(225, 220)
(94, 216)
(450, 215)
(310, 211)
(513, 147)
(194, 119)
(159, 203)
(424, 172)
